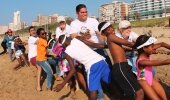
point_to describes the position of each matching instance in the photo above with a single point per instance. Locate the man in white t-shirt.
(83, 21)
(83, 25)
(96, 67)
(63, 27)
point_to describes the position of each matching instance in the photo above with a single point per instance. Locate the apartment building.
(149, 9)
(113, 12)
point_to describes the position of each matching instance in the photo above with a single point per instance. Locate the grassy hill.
(158, 22)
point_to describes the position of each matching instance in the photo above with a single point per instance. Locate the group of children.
(15, 48)
(72, 54)
(120, 73)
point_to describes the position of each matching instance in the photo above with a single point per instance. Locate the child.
(121, 71)
(42, 56)
(9, 40)
(125, 32)
(19, 52)
(94, 63)
(145, 46)
(32, 53)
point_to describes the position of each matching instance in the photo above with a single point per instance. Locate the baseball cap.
(124, 24)
(61, 18)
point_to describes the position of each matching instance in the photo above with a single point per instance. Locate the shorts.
(124, 78)
(98, 71)
(18, 53)
(33, 61)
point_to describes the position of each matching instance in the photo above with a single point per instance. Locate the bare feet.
(58, 78)
(73, 95)
(39, 89)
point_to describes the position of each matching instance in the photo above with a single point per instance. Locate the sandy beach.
(20, 84)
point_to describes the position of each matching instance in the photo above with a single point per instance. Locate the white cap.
(60, 18)
(124, 24)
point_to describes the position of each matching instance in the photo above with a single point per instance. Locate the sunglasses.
(43, 33)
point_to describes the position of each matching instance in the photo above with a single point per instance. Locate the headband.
(150, 41)
(105, 26)
(63, 40)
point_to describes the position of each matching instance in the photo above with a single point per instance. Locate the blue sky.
(31, 8)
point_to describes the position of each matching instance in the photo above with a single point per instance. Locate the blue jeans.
(47, 68)
(54, 63)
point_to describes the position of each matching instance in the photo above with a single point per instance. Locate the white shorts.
(18, 53)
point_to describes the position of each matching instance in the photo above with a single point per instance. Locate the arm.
(117, 40)
(91, 44)
(71, 73)
(126, 48)
(154, 62)
(162, 44)
(101, 38)
(73, 35)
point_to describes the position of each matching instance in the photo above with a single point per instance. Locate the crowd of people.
(76, 53)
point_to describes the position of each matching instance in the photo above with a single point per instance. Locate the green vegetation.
(158, 22)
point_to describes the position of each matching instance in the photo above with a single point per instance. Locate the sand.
(20, 84)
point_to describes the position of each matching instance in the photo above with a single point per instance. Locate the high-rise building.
(148, 9)
(16, 24)
(16, 19)
(113, 12)
(43, 20)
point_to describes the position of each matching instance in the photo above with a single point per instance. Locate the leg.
(123, 76)
(10, 53)
(94, 76)
(39, 71)
(47, 68)
(159, 90)
(18, 65)
(73, 87)
(139, 94)
(81, 79)
(149, 91)
(4, 48)
(25, 61)
(93, 95)
(58, 71)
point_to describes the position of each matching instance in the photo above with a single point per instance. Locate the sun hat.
(124, 24)
(60, 19)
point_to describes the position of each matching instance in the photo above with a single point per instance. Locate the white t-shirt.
(90, 23)
(132, 36)
(82, 53)
(32, 47)
(60, 32)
